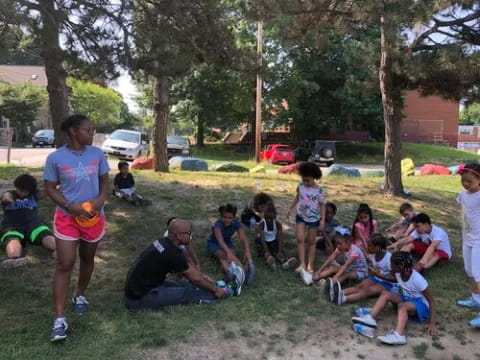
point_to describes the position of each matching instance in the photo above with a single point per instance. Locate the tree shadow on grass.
(110, 331)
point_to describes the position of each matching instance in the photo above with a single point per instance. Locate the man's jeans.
(171, 293)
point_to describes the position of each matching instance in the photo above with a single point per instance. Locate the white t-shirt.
(470, 203)
(437, 234)
(269, 235)
(383, 266)
(413, 287)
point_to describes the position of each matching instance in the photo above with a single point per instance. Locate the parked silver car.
(178, 146)
(44, 137)
(126, 144)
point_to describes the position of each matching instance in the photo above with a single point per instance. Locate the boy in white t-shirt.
(412, 297)
(428, 242)
(469, 199)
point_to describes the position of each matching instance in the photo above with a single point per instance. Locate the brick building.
(20, 74)
(431, 119)
(469, 138)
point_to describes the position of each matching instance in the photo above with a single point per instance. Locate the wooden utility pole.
(258, 110)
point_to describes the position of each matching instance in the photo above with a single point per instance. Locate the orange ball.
(87, 222)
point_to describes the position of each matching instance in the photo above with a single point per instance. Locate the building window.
(465, 130)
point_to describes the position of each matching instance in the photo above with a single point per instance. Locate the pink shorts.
(66, 228)
(419, 249)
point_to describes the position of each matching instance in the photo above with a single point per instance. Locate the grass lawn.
(277, 299)
(347, 153)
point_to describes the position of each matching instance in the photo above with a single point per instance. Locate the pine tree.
(425, 45)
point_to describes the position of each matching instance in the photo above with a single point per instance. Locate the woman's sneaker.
(364, 330)
(59, 330)
(393, 338)
(366, 320)
(80, 305)
(361, 312)
(14, 263)
(469, 303)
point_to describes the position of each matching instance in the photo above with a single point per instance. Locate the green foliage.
(20, 103)
(102, 105)
(218, 98)
(327, 85)
(127, 119)
(470, 115)
(19, 48)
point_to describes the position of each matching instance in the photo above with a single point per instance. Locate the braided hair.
(402, 259)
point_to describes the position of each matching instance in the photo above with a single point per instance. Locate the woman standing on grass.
(81, 170)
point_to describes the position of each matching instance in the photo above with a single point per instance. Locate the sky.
(125, 86)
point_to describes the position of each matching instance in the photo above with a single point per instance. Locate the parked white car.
(126, 144)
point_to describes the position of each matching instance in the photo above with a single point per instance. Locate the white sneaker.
(307, 277)
(366, 320)
(393, 338)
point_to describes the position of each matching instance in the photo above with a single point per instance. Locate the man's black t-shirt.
(20, 211)
(124, 182)
(152, 266)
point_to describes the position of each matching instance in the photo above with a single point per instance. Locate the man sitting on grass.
(428, 242)
(146, 286)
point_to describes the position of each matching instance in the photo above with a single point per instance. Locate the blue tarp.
(336, 169)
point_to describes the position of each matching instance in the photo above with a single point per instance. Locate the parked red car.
(278, 154)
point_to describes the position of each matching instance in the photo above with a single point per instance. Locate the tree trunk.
(392, 112)
(200, 131)
(52, 56)
(160, 109)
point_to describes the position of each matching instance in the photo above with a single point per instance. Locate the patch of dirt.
(326, 339)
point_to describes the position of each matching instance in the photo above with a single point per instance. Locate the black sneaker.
(338, 294)
(328, 289)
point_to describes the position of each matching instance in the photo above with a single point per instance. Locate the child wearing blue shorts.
(380, 277)
(413, 298)
(221, 246)
(309, 203)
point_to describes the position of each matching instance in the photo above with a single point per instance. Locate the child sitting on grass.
(221, 246)
(380, 275)
(413, 299)
(428, 242)
(253, 211)
(364, 226)
(124, 185)
(325, 237)
(269, 240)
(21, 223)
(404, 226)
(354, 268)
